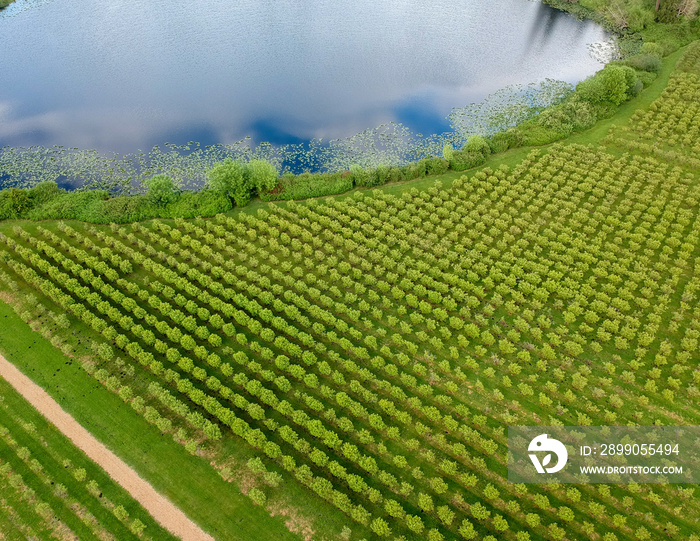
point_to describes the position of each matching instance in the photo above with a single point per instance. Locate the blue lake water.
(123, 75)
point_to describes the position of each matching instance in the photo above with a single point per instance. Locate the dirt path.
(167, 514)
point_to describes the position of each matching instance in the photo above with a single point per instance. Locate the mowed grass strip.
(18, 519)
(191, 484)
(51, 448)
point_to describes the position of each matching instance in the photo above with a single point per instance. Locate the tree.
(435, 535)
(566, 514)
(161, 190)
(671, 10)
(466, 530)
(575, 496)
(323, 487)
(120, 512)
(104, 350)
(188, 342)
(14, 202)
(361, 515)
(425, 502)
(611, 84)
(642, 534)
(478, 511)
(491, 492)
(500, 523)
(555, 532)
(239, 181)
(394, 508)
(414, 523)
(380, 527)
(619, 521)
(532, 519)
(137, 527)
(438, 485)
(257, 495)
(263, 175)
(445, 514)
(230, 178)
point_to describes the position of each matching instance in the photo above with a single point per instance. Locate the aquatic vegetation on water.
(19, 7)
(391, 144)
(508, 107)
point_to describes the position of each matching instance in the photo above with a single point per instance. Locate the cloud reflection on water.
(122, 75)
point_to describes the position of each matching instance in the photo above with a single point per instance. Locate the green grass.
(215, 505)
(51, 448)
(17, 518)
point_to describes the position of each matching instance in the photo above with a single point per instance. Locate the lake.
(125, 75)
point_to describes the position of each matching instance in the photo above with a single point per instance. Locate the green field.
(354, 362)
(50, 487)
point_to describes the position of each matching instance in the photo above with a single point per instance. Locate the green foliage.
(504, 140)
(306, 185)
(44, 192)
(560, 121)
(473, 153)
(436, 166)
(257, 495)
(13, 203)
(120, 512)
(447, 151)
(137, 527)
(263, 175)
(240, 181)
(361, 176)
(161, 190)
(477, 143)
(631, 15)
(611, 84)
(653, 48)
(644, 62)
(674, 11)
(690, 61)
(231, 179)
(380, 527)
(122, 209)
(465, 159)
(71, 205)
(203, 203)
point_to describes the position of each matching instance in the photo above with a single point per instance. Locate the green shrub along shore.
(648, 31)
